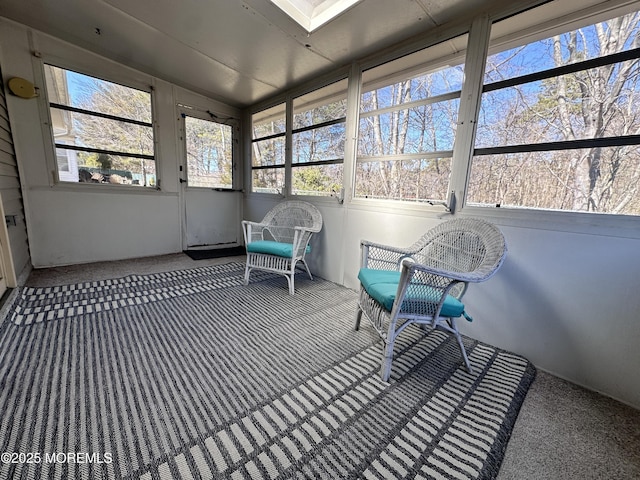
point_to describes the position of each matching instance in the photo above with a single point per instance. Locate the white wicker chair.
(281, 239)
(425, 282)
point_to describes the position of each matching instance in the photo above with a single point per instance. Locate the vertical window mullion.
(288, 148)
(469, 109)
(354, 92)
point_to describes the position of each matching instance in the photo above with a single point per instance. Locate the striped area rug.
(192, 375)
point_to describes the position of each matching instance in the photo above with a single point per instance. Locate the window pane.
(592, 41)
(62, 158)
(416, 180)
(268, 180)
(122, 136)
(560, 180)
(268, 152)
(429, 72)
(106, 134)
(317, 180)
(325, 143)
(268, 122)
(595, 103)
(209, 147)
(115, 169)
(425, 86)
(322, 105)
(408, 122)
(319, 142)
(81, 91)
(600, 102)
(426, 128)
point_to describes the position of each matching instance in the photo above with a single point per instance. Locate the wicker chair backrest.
(285, 216)
(462, 245)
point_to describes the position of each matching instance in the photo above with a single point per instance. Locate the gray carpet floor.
(563, 431)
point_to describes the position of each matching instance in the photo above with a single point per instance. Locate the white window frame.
(623, 226)
(478, 46)
(209, 116)
(117, 77)
(316, 126)
(280, 189)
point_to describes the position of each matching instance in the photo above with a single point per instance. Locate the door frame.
(8, 273)
(184, 110)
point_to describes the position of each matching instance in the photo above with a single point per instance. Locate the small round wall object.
(22, 88)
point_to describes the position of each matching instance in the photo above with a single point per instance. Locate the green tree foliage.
(317, 180)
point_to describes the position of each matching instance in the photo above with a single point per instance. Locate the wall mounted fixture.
(22, 88)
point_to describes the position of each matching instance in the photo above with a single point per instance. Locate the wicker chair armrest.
(389, 248)
(253, 231)
(254, 224)
(422, 290)
(382, 257)
(301, 239)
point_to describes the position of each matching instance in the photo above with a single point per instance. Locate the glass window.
(209, 147)
(408, 126)
(102, 131)
(318, 140)
(268, 150)
(559, 122)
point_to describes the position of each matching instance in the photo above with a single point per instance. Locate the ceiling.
(239, 52)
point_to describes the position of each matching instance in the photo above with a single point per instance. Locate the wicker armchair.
(281, 240)
(425, 282)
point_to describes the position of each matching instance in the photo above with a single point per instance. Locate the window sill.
(399, 207)
(608, 225)
(102, 189)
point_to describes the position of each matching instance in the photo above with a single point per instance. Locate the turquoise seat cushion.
(382, 286)
(270, 247)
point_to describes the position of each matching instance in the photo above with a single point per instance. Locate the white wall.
(566, 297)
(69, 223)
(568, 302)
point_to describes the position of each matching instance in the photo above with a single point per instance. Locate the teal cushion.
(270, 247)
(382, 286)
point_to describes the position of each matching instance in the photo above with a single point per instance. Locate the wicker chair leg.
(246, 273)
(463, 351)
(307, 268)
(358, 317)
(290, 282)
(385, 370)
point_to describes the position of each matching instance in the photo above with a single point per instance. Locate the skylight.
(312, 14)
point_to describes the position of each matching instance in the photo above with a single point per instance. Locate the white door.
(212, 204)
